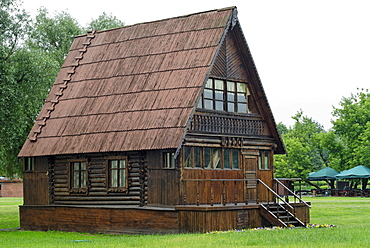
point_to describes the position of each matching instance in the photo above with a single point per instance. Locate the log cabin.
(158, 127)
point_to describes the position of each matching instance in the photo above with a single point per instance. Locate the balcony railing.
(227, 125)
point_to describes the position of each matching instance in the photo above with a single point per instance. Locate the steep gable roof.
(130, 88)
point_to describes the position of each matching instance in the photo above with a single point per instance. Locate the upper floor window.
(78, 176)
(224, 95)
(117, 175)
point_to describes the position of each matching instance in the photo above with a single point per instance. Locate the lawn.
(350, 215)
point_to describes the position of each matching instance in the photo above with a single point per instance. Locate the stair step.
(284, 217)
(278, 212)
(291, 222)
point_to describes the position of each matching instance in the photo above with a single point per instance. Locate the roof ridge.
(165, 19)
(62, 87)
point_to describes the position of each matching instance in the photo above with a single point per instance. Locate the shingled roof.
(130, 88)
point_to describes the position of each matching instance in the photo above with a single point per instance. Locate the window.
(264, 160)
(225, 95)
(210, 158)
(231, 159)
(29, 164)
(169, 160)
(78, 177)
(117, 175)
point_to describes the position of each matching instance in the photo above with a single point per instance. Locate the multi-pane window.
(264, 160)
(231, 159)
(29, 163)
(210, 158)
(169, 160)
(224, 95)
(117, 175)
(78, 176)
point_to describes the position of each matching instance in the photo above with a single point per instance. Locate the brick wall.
(11, 188)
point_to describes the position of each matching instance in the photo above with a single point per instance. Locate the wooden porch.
(256, 203)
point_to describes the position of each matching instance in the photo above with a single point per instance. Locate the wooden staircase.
(278, 215)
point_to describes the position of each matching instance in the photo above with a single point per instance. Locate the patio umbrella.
(324, 174)
(356, 172)
(327, 174)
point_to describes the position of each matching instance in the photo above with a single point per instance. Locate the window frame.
(169, 161)
(109, 174)
(213, 94)
(83, 184)
(264, 160)
(28, 164)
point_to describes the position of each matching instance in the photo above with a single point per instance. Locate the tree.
(54, 34)
(104, 21)
(304, 152)
(13, 28)
(353, 127)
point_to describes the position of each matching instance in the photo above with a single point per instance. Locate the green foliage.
(104, 21)
(13, 28)
(353, 127)
(304, 152)
(54, 34)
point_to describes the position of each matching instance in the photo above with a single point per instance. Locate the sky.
(308, 54)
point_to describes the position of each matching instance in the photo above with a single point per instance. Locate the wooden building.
(156, 127)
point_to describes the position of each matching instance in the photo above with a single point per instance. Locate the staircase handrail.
(295, 195)
(272, 191)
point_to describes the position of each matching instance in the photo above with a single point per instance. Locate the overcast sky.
(309, 54)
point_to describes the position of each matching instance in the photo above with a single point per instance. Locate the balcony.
(235, 125)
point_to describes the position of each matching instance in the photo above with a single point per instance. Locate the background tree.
(353, 127)
(13, 28)
(54, 34)
(104, 21)
(304, 150)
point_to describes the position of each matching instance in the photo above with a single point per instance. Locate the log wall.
(97, 192)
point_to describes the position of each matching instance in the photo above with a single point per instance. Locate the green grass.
(351, 215)
(9, 215)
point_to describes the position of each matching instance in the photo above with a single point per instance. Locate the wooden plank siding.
(163, 184)
(206, 192)
(36, 183)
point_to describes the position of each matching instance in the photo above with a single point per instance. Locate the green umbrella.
(356, 172)
(324, 174)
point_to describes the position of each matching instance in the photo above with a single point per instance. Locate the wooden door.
(250, 167)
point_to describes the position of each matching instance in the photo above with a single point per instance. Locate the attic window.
(225, 95)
